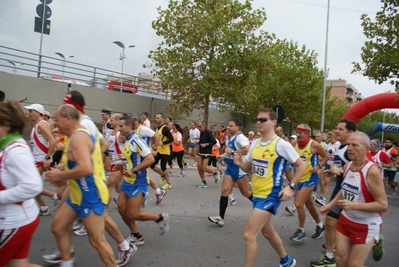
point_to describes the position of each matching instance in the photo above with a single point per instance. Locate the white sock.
(124, 245)
(54, 197)
(43, 207)
(158, 191)
(320, 224)
(302, 229)
(330, 255)
(231, 196)
(66, 263)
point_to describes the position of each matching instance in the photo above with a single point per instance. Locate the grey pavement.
(194, 241)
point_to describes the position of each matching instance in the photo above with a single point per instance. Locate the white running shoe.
(160, 196)
(164, 224)
(81, 231)
(217, 220)
(145, 200)
(124, 255)
(55, 258)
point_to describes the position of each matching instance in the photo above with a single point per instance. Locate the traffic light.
(44, 12)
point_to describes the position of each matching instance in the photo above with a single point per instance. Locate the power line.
(332, 7)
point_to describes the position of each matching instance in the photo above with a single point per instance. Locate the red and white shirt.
(355, 188)
(20, 182)
(39, 143)
(115, 148)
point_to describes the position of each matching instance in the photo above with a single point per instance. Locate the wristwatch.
(134, 171)
(292, 185)
(47, 158)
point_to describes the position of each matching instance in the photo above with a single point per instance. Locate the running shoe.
(145, 200)
(202, 185)
(319, 232)
(220, 171)
(394, 192)
(160, 196)
(44, 211)
(171, 172)
(77, 224)
(56, 203)
(195, 164)
(81, 231)
(162, 180)
(325, 247)
(298, 236)
(290, 209)
(321, 201)
(124, 255)
(137, 241)
(182, 174)
(323, 261)
(290, 263)
(167, 186)
(314, 197)
(216, 219)
(164, 224)
(217, 177)
(378, 249)
(55, 258)
(232, 202)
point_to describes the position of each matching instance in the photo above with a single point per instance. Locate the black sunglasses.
(262, 120)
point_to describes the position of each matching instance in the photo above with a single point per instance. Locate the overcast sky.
(87, 28)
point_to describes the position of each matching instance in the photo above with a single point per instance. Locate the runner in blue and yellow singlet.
(309, 152)
(83, 169)
(267, 158)
(137, 157)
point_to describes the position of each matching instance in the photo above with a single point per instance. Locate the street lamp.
(383, 121)
(15, 64)
(122, 56)
(63, 62)
(323, 105)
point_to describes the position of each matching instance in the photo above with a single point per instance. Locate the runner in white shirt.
(194, 135)
(43, 146)
(145, 120)
(20, 182)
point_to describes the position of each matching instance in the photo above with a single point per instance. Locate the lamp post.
(15, 64)
(63, 62)
(383, 121)
(122, 56)
(323, 107)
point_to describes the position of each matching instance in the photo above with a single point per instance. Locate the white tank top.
(115, 148)
(355, 188)
(38, 143)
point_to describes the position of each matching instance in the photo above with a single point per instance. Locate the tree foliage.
(380, 53)
(213, 50)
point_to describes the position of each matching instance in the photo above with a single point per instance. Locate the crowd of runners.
(87, 165)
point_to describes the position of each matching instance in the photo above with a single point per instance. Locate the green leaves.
(379, 54)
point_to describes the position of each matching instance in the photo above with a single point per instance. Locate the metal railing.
(26, 63)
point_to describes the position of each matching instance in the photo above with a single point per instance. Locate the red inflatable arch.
(370, 104)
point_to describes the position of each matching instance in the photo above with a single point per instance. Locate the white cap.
(39, 108)
(293, 136)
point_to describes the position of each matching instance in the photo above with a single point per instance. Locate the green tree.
(380, 53)
(198, 40)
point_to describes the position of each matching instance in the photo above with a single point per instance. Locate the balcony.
(349, 96)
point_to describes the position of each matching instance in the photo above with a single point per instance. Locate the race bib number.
(260, 167)
(350, 192)
(303, 158)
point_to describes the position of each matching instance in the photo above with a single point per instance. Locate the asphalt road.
(194, 241)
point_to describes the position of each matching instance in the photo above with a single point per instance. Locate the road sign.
(280, 111)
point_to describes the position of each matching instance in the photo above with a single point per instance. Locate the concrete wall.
(50, 93)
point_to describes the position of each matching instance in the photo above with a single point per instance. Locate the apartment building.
(343, 90)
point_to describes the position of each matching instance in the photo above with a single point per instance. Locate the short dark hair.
(127, 120)
(145, 113)
(349, 124)
(237, 122)
(77, 97)
(2, 96)
(272, 113)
